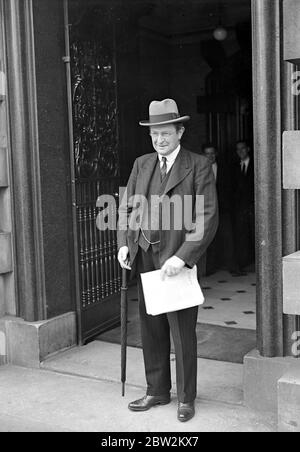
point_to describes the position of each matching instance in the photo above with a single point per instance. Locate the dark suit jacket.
(191, 175)
(224, 187)
(243, 187)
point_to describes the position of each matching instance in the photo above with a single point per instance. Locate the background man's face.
(211, 154)
(165, 139)
(242, 151)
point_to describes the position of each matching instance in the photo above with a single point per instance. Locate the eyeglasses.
(164, 135)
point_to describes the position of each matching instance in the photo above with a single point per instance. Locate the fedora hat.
(162, 113)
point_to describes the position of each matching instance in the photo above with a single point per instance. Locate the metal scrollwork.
(95, 124)
(95, 109)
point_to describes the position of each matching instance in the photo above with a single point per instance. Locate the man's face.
(165, 139)
(211, 154)
(242, 151)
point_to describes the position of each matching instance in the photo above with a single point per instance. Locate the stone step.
(289, 401)
(38, 339)
(217, 381)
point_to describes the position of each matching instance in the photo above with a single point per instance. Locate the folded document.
(172, 294)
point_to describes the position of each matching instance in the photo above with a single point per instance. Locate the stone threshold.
(217, 381)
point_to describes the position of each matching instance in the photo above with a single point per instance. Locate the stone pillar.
(35, 156)
(7, 276)
(41, 161)
(290, 198)
(267, 139)
(274, 110)
(18, 19)
(7, 286)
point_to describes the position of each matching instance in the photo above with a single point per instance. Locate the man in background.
(244, 207)
(220, 254)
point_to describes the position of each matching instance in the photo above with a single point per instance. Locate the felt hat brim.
(163, 123)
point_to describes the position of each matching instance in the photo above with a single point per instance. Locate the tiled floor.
(229, 301)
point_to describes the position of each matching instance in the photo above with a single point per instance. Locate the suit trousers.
(155, 331)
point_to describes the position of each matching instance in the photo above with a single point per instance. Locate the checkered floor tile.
(229, 301)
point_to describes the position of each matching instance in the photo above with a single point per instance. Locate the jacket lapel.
(180, 170)
(145, 174)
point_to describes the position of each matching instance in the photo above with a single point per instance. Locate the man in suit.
(220, 253)
(244, 207)
(169, 171)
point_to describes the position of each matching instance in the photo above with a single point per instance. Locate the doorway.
(123, 55)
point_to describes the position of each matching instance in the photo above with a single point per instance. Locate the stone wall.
(7, 288)
(54, 154)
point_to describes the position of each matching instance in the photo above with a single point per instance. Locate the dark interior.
(161, 48)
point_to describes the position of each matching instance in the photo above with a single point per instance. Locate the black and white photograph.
(149, 219)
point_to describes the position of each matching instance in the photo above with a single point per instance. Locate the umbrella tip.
(123, 390)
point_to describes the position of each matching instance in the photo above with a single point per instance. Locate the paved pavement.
(70, 394)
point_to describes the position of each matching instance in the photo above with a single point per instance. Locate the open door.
(95, 156)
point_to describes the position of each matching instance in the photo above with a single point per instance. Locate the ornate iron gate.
(96, 168)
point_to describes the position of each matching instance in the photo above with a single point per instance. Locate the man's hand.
(172, 267)
(123, 257)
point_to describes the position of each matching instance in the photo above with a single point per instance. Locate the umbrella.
(124, 315)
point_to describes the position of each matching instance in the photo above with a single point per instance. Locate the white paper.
(2, 84)
(172, 294)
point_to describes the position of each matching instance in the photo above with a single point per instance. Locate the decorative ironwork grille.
(99, 270)
(96, 148)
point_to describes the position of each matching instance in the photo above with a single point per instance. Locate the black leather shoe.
(148, 402)
(186, 411)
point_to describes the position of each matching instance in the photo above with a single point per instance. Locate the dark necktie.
(163, 169)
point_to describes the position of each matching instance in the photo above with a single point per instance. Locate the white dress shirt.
(170, 158)
(215, 170)
(245, 165)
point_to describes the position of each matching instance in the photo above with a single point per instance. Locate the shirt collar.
(247, 161)
(171, 157)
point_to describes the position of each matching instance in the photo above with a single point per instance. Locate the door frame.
(276, 234)
(272, 232)
(67, 61)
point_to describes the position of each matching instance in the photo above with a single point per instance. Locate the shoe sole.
(147, 409)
